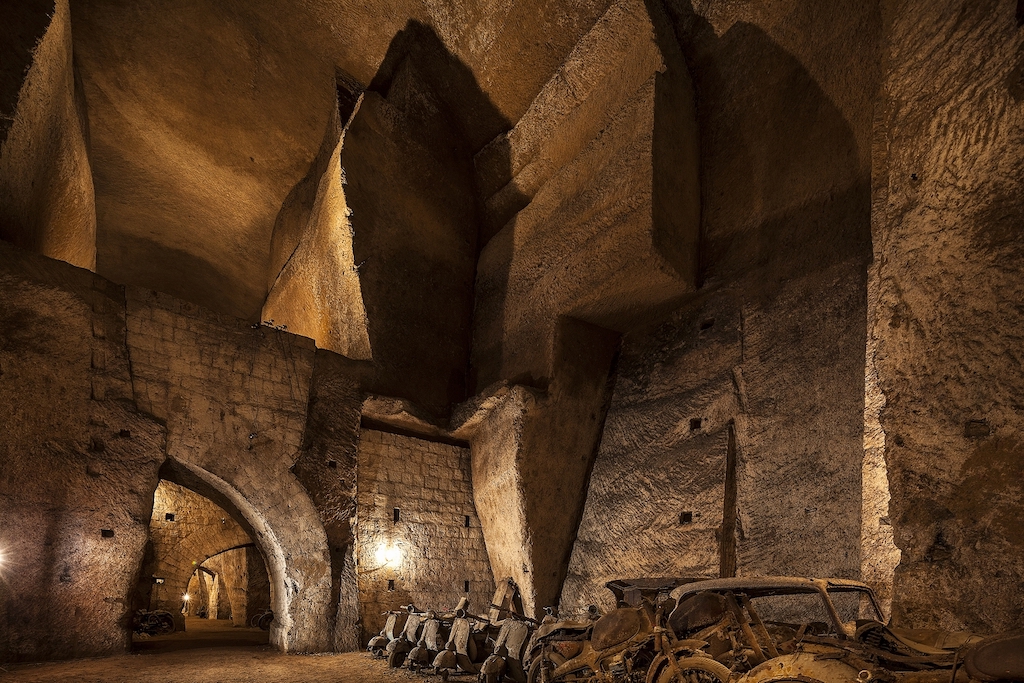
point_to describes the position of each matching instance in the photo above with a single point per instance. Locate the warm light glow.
(388, 555)
(187, 597)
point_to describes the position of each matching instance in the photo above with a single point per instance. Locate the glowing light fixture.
(186, 597)
(388, 555)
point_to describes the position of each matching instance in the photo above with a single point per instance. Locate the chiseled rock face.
(46, 186)
(949, 324)
(204, 118)
(532, 457)
(592, 199)
(78, 466)
(774, 339)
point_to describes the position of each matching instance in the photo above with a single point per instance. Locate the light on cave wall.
(388, 555)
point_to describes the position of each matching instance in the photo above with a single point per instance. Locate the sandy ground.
(201, 656)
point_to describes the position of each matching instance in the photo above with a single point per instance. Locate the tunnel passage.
(295, 611)
(200, 561)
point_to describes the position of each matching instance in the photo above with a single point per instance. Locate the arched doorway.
(293, 550)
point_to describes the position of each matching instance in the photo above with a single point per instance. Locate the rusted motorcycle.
(630, 644)
(156, 623)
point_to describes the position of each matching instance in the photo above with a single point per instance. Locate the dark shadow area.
(22, 26)
(408, 159)
(783, 190)
(203, 633)
(124, 258)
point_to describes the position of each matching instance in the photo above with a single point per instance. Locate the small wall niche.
(397, 515)
(169, 517)
(107, 533)
(333, 464)
(686, 517)
(695, 424)
(465, 586)
(707, 324)
(391, 584)
(466, 521)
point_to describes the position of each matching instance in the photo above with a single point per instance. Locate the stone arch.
(295, 552)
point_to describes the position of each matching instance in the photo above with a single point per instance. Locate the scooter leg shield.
(445, 659)
(493, 665)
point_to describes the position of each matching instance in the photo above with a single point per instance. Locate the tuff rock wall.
(946, 225)
(774, 340)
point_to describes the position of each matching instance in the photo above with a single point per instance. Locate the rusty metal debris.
(155, 623)
(760, 630)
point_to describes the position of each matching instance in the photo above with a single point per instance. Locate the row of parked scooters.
(455, 642)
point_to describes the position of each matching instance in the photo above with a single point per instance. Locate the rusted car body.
(774, 629)
(763, 630)
(621, 645)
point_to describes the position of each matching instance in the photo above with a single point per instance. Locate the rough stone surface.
(948, 320)
(246, 590)
(438, 532)
(326, 467)
(78, 466)
(776, 338)
(224, 404)
(595, 193)
(532, 457)
(234, 399)
(523, 185)
(315, 287)
(46, 188)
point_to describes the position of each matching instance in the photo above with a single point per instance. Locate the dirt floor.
(212, 652)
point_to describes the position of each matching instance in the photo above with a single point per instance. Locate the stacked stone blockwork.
(416, 497)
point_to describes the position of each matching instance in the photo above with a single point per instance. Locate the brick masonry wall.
(430, 485)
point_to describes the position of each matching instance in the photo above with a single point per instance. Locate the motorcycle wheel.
(694, 670)
(165, 624)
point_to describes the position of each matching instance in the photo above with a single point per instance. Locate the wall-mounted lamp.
(186, 597)
(389, 555)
